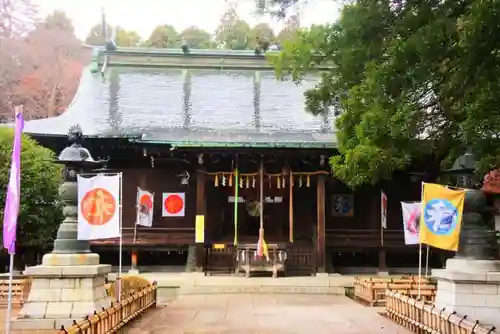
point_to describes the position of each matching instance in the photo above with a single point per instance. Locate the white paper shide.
(98, 207)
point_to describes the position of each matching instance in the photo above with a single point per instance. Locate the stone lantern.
(69, 284)
(76, 159)
(470, 283)
(477, 239)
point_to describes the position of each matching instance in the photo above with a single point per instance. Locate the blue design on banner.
(440, 216)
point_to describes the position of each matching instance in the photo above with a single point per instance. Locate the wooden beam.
(321, 224)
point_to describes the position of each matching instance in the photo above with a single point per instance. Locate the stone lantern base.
(65, 287)
(470, 287)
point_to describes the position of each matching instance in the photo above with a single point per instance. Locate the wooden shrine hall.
(241, 156)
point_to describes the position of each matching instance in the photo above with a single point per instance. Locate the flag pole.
(427, 262)
(136, 215)
(12, 204)
(419, 267)
(9, 300)
(119, 279)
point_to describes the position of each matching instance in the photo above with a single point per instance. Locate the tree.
(16, 17)
(163, 36)
(232, 32)
(40, 214)
(196, 38)
(58, 20)
(411, 79)
(53, 72)
(96, 34)
(262, 32)
(126, 37)
(292, 25)
(277, 8)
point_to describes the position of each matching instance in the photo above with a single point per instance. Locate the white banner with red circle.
(98, 207)
(174, 204)
(145, 202)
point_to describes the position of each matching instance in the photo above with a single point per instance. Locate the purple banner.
(13, 197)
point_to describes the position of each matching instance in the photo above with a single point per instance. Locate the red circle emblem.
(98, 206)
(146, 201)
(173, 204)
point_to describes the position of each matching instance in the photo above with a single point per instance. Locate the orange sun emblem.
(98, 206)
(174, 204)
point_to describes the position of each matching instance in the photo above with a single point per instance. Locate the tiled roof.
(196, 107)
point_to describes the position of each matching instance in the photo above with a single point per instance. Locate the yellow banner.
(200, 229)
(441, 217)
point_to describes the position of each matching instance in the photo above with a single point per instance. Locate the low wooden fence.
(20, 291)
(373, 291)
(421, 317)
(116, 316)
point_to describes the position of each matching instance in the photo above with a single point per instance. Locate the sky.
(142, 16)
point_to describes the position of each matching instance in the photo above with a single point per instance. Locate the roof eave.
(222, 144)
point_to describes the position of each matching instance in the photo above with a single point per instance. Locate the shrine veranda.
(201, 125)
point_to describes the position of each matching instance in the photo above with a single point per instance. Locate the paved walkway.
(263, 314)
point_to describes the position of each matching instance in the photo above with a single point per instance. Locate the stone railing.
(373, 290)
(421, 317)
(116, 316)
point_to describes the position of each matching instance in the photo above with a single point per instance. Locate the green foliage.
(58, 20)
(196, 38)
(96, 35)
(164, 36)
(40, 178)
(410, 79)
(262, 32)
(232, 32)
(125, 37)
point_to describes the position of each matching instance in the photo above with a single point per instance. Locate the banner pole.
(9, 301)
(120, 256)
(419, 267)
(137, 215)
(427, 262)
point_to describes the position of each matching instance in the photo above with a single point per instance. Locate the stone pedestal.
(470, 287)
(65, 287)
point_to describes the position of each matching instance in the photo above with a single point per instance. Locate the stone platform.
(470, 287)
(63, 288)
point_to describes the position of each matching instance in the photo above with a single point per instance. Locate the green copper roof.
(191, 107)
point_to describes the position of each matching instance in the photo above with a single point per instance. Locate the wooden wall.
(158, 181)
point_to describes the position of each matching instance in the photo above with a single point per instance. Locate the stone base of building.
(65, 287)
(470, 287)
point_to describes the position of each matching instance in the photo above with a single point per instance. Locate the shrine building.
(212, 126)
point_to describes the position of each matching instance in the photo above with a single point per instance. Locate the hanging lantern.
(308, 181)
(230, 180)
(247, 181)
(216, 180)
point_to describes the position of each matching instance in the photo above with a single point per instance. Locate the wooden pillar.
(321, 247)
(382, 262)
(200, 210)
